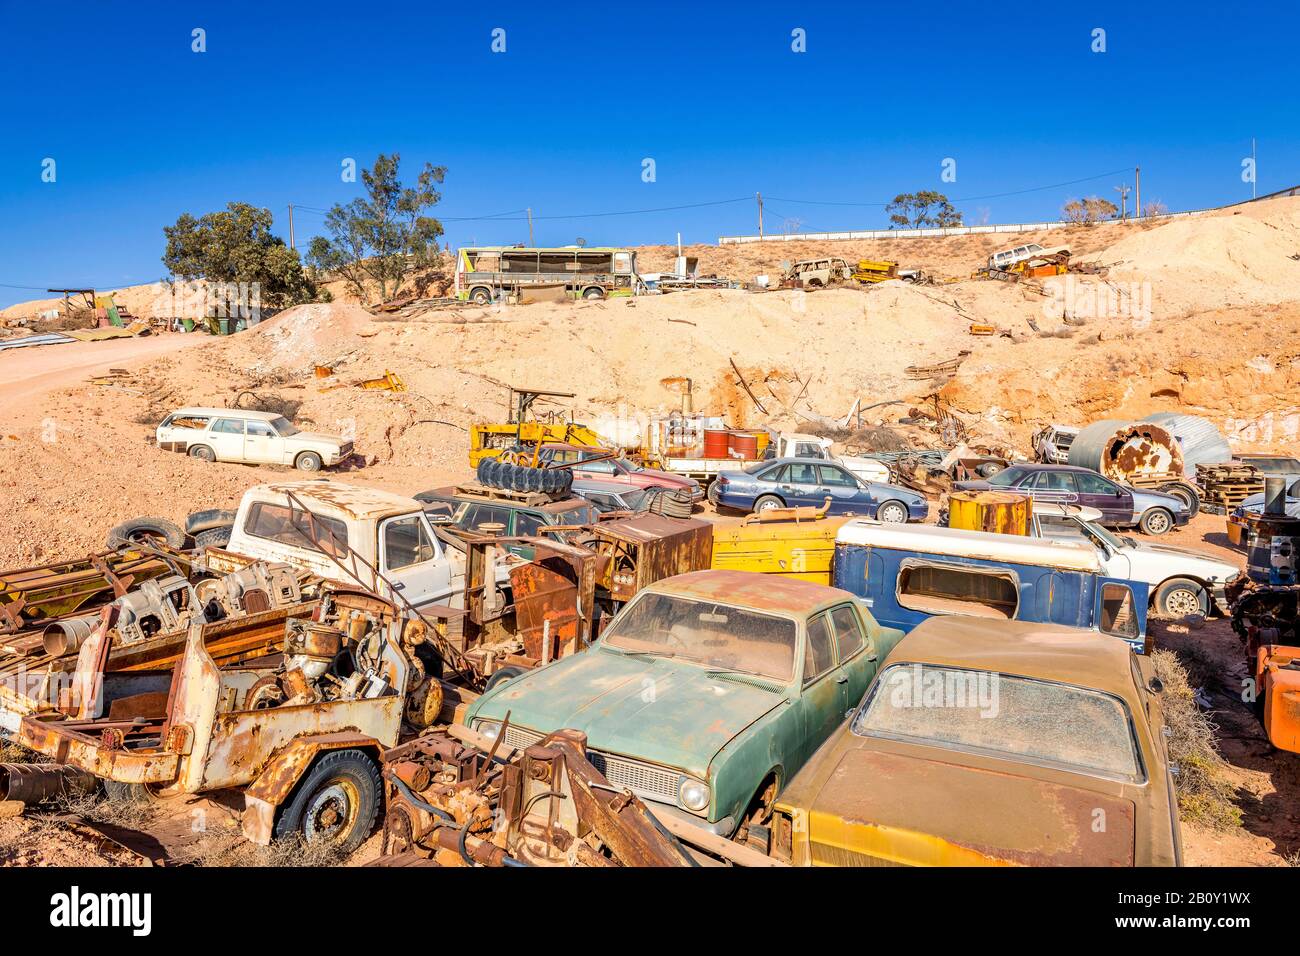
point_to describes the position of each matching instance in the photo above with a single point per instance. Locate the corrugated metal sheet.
(1203, 443)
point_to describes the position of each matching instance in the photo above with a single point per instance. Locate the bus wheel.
(481, 297)
(594, 293)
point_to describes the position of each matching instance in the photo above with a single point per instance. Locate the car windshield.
(707, 633)
(283, 427)
(986, 712)
(1114, 540)
(1008, 476)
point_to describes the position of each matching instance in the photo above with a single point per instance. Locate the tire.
(989, 469)
(481, 472)
(767, 503)
(1179, 597)
(551, 481)
(145, 530)
(488, 470)
(202, 452)
(594, 294)
(213, 538)
(343, 782)
(502, 676)
(892, 512)
(1186, 494)
(308, 461)
(212, 518)
(535, 478)
(1156, 521)
(136, 793)
(481, 296)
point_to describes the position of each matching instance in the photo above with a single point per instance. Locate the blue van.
(908, 573)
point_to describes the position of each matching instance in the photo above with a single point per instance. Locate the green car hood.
(649, 708)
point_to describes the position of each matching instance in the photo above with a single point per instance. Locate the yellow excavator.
(523, 429)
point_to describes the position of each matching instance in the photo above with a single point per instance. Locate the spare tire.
(565, 485)
(487, 471)
(483, 468)
(147, 530)
(519, 477)
(213, 538)
(536, 476)
(212, 518)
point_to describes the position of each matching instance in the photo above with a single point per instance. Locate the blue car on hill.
(789, 482)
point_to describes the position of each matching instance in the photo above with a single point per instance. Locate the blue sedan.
(788, 482)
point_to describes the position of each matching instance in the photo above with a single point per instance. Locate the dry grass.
(100, 807)
(232, 849)
(11, 752)
(1206, 794)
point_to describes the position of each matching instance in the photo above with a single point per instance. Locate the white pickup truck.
(346, 533)
(784, 445)
(1182, 581)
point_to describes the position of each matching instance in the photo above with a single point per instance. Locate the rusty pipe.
(67, 636)
(34, 782)
(1275, 496)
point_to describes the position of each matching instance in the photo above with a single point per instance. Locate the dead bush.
(100, 807)
(231, 849)
(1206, 794)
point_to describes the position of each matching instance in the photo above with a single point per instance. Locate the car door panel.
(262, 444)
(800, 486)
(411, 559)
(820, 699)
(226, 439)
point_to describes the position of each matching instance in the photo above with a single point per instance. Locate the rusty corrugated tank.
(1123, 449)
(1200, 439)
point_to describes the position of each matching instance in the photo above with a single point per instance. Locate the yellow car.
(984, 743)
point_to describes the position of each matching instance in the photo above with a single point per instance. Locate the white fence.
(965, 230)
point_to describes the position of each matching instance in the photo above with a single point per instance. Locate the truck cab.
(347, 533)
(909, 574)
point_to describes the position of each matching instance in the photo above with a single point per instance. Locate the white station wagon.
(255, 438)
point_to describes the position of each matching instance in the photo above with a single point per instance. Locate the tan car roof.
(752, 589)
(353, 501)
(1053, 652)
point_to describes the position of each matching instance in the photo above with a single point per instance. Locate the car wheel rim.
(1182, 603)
(331, 813)
(892, 514)
(1158, 523)
(767, 505)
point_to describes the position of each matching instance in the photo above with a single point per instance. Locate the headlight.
(693, 794)
(488, 728)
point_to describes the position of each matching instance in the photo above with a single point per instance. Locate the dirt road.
(28, 373)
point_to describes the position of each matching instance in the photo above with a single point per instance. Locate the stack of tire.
(555, 482)
(672, 504)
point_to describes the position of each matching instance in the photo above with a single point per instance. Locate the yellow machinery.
(490, 439)
(1002, 512)
(875, 270)
(793, 542)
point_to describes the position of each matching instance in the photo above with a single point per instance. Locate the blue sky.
(142, 128)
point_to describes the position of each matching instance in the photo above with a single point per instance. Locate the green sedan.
(707, 693)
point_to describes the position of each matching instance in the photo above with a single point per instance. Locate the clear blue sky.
(142, 128)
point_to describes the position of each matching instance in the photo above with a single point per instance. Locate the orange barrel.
(716, 442)
(1003, 512)
(743, 445)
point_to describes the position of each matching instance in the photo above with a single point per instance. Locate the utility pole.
(291, 245)
(530, 227)
(1137, 171)
(1123, 200)
(759, 197)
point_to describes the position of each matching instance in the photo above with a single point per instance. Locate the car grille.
(645, 780)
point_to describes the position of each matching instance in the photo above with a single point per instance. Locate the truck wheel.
(212, 518)
(594, 293)
(212, 538)
(308, 461)
(337, 802)
(1184, 493)
(892, 512)
(767, 503)
(481, 296)
(203, 453)
(147, 531)
(502, 676)
(1179, 597)
(1156, 521)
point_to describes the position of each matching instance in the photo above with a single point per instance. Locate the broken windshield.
(702, 632)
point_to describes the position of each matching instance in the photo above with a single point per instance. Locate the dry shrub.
(101, 807)
(11, 752)
(1206, 794)
(232, 849)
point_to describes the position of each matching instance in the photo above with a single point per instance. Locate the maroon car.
(1154, 512)
(589, 462)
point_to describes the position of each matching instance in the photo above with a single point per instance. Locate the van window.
(406, 543)
(818, 657)
(297, 528)
(950, 589)
(472, 515)
(228, 426)
(1117, 616)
